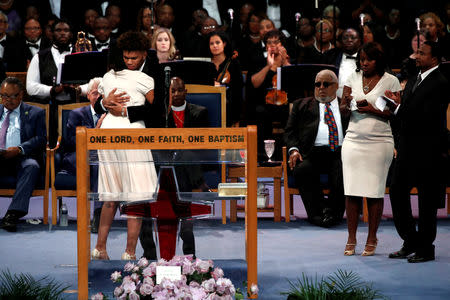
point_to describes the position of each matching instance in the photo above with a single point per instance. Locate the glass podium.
(165, 177)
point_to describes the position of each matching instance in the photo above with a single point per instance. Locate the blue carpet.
(286, 250)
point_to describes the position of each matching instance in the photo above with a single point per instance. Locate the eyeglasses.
(10, 97)
(209, 27)
(36, 28)
(325, 84)
(273, 42)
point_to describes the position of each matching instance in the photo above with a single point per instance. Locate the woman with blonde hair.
(163, 42)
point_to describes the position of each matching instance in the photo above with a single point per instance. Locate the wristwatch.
(20, 149)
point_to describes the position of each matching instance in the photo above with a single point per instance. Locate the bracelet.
(123, 111)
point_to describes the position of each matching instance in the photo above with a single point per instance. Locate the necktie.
(36, 46)
(4, 130)
(416, 84)
(96, 118)
(333, 137)
(63, 48)
(350, 57)
(101, 45)
(3, 43)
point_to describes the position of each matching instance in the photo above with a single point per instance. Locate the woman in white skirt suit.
(368, 147)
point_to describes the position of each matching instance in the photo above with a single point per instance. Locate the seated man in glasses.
(23, 137)
(313, 136)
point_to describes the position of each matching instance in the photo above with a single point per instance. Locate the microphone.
(167, 71)
(361, 18)
(297, 16)
(231, 13)
(417, 20)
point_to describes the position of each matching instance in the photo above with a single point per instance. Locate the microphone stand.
(334, 23)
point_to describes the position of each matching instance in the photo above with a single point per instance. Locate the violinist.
(228, 73)
(261, 82)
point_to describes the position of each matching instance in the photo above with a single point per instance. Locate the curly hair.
(133, 41)
(172, 48)
(437, 20)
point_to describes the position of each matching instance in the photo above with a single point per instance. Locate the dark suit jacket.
(45, 43)
(14, 56)
(78, 117)
(33, 131)
(194, 116)
(422, 137)
(303, 124)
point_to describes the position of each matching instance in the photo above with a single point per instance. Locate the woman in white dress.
(368, 147)
(125, 175)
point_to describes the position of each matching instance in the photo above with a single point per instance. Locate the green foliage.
(24, 286)
(342, 285)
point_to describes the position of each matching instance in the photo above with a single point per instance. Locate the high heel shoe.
(370, 252)
(351, 251)
(127, 256)
(99, 255)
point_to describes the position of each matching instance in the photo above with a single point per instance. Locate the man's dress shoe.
(9, 222)
(402, 253)
(418, 258)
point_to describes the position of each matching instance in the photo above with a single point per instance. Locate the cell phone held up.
(362, 103)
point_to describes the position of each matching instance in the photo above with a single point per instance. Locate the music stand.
(79, 68)
(298, 80)
(192, 72)
(445, 69)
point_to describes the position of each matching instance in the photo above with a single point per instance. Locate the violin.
(276, 96)
(224, 77)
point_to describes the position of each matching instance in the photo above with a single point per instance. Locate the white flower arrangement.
(199, 280)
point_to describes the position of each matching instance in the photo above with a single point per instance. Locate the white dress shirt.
(13, 133)
(213, 10)
(2, 49)
(34, 86)
(322, 138)
(55, 6)
(32, 49)
(347, 67)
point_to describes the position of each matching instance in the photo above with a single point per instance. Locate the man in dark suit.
(182, 115)
(102, 35)
(344, 59)
(422, 155)
(34, 41)
(314, 146)
(13, 59)
(83, 116)
(23, 137)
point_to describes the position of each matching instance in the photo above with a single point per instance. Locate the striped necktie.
(4, 130)
(333, 137)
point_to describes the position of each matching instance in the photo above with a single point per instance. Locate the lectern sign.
(171, 138)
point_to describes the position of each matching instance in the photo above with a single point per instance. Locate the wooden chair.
(63, 184)
(8, 183)
(20, 75)
(290, 191)
(214, 99)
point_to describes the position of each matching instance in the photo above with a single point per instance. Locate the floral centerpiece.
(199, 280)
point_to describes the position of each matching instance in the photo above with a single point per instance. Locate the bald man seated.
(314, 135)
